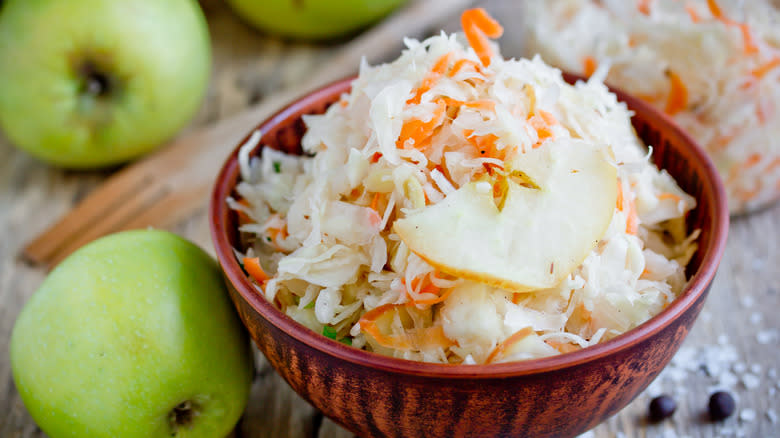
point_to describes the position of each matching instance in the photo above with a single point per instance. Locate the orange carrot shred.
(678, 95)
(368, 325)
(253, 268)
(461, 64)
(375, 202)
(632, 221)
(763, 69)
(548, 118)
(644, 6)
(375, 158)
(589, 65)
(478, 27)
(667, 195)
(692, 12)
(715, 10)
(433, 76)
(747, 38)
(563, 347)
(506, 343)
(420, 131)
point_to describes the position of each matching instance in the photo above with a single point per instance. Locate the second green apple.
(93, 83)
(313, 19)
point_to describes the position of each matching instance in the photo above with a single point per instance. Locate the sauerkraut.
(318, 229)
(713, 66)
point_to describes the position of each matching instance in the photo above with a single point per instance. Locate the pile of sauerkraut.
(712, 65)
(318, 231)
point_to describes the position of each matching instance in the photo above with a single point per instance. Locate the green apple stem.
(182, 416)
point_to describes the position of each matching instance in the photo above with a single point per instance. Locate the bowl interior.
(673, 150)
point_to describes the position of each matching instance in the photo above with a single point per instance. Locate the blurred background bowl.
(374, 395)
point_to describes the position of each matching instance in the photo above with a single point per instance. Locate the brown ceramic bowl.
(374, 395)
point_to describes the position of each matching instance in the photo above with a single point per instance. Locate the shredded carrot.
(375, 158)
(502, 347)
(589, 65)
(773, 165)
(760, 71)
(548, 118)
(420, 131)
(478, 27)
(667, 195)
(632, 221)
(644, 6)
(692, 12)
(747, 37)
(563, 347)
(436, 300)
(438, 69)
(678, 94)
(375, 202)
(487, 105)
(517, 297)
(420, 338)
(275, 234)
(716, 11)
(752, 160)
(368, 325)
(461, 64)
(253, 268)
(485, 144)
(763, 111)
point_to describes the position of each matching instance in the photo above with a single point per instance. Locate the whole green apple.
(92, 83)
(133, 335)
(313, 19)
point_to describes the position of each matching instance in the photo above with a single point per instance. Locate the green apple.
(313, 19)
(92, 83)
(133, 335)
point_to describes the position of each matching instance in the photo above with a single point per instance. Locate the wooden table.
(248, 66)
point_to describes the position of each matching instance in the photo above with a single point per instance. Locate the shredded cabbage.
(321, 226)
(727, 61)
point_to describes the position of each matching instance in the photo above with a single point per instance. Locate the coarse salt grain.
(747, 415)
(766, 336)
(751, 381)
(771, 415)
(756, 318)
(747, 301)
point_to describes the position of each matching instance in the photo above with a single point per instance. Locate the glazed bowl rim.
(697, 285)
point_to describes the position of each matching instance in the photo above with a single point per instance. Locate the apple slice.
(538, 233)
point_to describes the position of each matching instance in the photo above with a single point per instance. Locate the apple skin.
(93, 83)
(313, 19)
(124, 330)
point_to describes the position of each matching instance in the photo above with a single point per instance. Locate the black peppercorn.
(722, 405)
(662, 407)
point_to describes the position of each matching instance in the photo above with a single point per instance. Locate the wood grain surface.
(740, 311)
